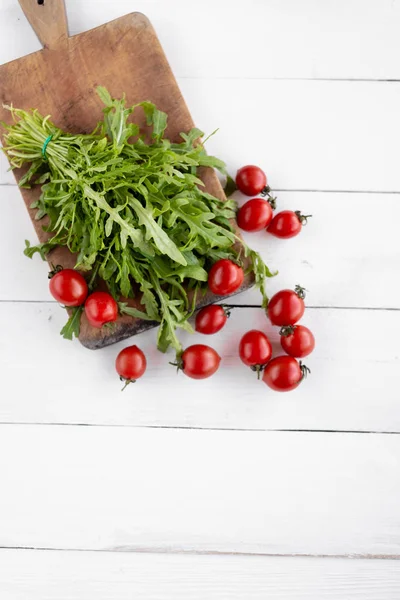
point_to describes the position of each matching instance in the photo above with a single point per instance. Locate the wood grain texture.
(353, 384)
(83, 575)
(125, 56)
(109, 488)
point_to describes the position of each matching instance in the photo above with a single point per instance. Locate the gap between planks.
(198, 428)
(315, 307)
(190, 551)
(333, 79)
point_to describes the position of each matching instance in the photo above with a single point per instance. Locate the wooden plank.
(327, 258)
(115, 489)
(353, 385)
(352, 39)
(312, 135)
(82, 575)
(318, 135)
(342, 257)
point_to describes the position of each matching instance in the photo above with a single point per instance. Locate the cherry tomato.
(286, 307)
(297, 340)
(68, 287)
(200, 361)
(255, 215)
(255, 349)
(210, 319)
(251, 180)
(287, 224)
(284, 373)
(130, 364)
(225, 277)
(100, 308)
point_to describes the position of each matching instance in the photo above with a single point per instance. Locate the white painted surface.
(78, 575)
(253, 72)
(111, 488)
(353, 384)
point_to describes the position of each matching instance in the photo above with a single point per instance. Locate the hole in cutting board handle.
(48, 20)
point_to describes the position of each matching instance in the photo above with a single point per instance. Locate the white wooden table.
(180, 489)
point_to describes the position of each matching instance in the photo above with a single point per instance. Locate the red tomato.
(68, 287)
(297, 341)
(251, 180)
(255, 349)
(286, 307)
(200, 361)
(255, 215)
(100, 308)
(130, 364)
(210, 319)
(284, 373)
(287, 224)
(225, 277)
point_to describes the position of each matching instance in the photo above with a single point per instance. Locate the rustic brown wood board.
(126, 57)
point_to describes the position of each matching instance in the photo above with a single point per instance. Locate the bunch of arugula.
(130, 211)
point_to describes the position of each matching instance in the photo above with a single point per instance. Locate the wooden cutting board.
(125, 56)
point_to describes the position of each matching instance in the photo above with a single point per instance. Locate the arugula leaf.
(42, 249)
(261, 272)
(167, 331)
(104, 96)
(148, 298)
(127, 230)
(73, 325)
(201, 224)
(212, 161)
(192, 272)
(191, 137)
(153, 231)
(156, 118)
(133, 312)
(230, 186)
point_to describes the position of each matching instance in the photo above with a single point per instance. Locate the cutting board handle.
(48, 19)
